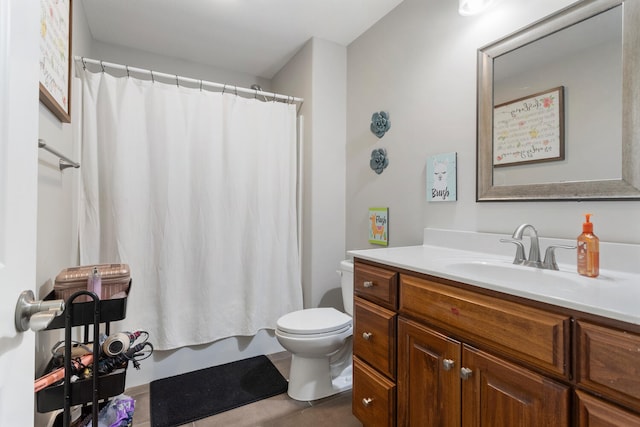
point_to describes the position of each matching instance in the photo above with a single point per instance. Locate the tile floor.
(277, 411)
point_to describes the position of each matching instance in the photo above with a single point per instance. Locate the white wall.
(296, 78)
(318, 73)
(165, 64)
(419, 64)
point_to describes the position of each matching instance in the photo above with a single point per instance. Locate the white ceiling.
(256, 37)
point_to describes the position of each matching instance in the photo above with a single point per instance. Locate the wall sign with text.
(379, 226)
(529, 129)
(442, 170)
(55, 57)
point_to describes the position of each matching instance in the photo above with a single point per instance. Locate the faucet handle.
(520, 258)
(550, 256)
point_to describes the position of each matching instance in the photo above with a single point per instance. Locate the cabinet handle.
(367, 401)
(465, 373)
(367, 335)
(368, 284)
(447, 364)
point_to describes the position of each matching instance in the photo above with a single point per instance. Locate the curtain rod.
(65, 162)
(84, 61)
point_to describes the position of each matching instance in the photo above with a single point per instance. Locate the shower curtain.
(196, 191)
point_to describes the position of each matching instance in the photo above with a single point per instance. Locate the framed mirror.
(559, 107)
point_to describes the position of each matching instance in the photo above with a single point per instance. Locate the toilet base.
(310, 378)
(344, 381)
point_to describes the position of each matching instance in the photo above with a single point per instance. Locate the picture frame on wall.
(529, 129)
(442, 172)
(379, 226)
(55, 57)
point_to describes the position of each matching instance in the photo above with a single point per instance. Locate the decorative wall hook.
(380, 123)
(379, 160)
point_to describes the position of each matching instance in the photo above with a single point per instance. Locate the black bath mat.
(200, 394)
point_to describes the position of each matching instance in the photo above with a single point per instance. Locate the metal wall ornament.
(379, 160)
(380, 123)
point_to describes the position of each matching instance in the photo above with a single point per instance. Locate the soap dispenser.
(588, 250)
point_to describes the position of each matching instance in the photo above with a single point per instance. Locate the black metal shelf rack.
(99, 387)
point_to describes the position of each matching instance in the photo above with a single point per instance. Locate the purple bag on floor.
(118, 413)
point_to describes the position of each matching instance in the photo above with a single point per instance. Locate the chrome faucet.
(533, 259)
(534, 250)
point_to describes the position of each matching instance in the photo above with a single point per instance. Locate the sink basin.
(518, 276)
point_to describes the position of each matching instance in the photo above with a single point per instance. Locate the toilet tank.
(346, 278)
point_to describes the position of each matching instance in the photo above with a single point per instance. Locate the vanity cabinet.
(459, 356)
(444, 381)
(374, 345)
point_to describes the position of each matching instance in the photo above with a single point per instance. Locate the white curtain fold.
(196, 191)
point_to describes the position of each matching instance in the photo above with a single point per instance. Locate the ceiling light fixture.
(473, 7)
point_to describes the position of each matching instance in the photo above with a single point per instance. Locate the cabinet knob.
(367, 335)
(367, 401)
(447, 364)
(368, 284)
(465, 373)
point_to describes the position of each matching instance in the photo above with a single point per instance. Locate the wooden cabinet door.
(500, 394)
(428, 377)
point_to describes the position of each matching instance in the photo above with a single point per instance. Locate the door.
(428, 377)
(497, 393)
(19, 21)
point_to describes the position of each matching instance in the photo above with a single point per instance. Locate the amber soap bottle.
(588, 250)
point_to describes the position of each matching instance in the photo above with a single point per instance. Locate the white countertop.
(487, 263)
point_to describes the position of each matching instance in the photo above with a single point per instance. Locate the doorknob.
(35, 315)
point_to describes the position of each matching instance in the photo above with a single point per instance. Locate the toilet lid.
(313, 321)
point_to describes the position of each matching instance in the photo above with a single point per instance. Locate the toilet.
(319, 340)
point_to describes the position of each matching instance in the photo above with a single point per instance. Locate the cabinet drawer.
(376, 284)
(593, 412)
(374, 396)
(608, 362)
(528, 334)
(374, 336)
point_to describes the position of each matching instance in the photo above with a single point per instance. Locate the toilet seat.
(314, 321)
